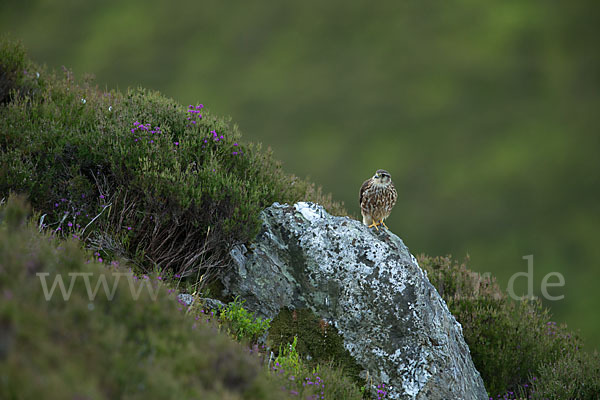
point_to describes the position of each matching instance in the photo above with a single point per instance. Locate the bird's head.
(382, 177)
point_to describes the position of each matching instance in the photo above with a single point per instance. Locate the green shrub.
(164, 185)
(241, 324)
(513, 344)
(119, 348)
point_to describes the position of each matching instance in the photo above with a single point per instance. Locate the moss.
(317, 340)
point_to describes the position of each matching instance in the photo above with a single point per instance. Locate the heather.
(177, 182)
(516, 346)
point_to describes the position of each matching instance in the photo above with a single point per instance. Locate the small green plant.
(323, 381)
(288, 358)
(241, 324)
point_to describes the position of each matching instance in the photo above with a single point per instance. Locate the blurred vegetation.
(485, 113)
(121, 349)
(56, 345)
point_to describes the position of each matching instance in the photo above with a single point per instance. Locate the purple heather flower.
(193, 122)
(128, 228)
(55, 204)
(235, 153)
(70, 224)
(176, 143)
(221, 137)
(177, 275)
(199, 106)
(235, 144)
(101, 196)
(100, 259)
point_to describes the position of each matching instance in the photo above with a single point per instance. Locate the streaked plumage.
(377, 198)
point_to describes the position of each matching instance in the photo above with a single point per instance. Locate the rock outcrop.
(368, 285)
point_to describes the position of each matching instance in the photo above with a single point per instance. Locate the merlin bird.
(377, 198)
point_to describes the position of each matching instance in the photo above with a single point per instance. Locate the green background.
(485, 113)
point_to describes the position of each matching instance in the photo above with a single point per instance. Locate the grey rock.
(208, 303)
(365, 282)
(212, 304)
(185, 299)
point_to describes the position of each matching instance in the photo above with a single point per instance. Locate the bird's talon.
(374, 224)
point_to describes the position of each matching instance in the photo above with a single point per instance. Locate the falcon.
(377, 198)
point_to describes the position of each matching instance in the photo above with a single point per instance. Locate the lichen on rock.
(369, 287)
